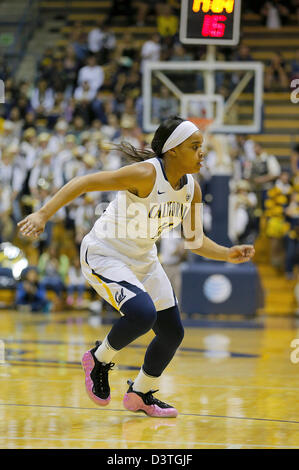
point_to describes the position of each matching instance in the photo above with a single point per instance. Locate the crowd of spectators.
(87, 95)
(275, 13)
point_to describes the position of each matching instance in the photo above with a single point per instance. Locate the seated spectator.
(7, 227)
(84, 92)
(110, 159)
(101, 41)
(242, 223)
(218, 157)
(77, 125)
(295, 66)
(60, 76)
(74, 166)
(53, 268)
(110, 130)
(108, 44)
(84, 214)
(242, 153)
(43, 143)
(96, 126)
(276, 76)
(30, 121)
(28, 147)
(66, 153)
(127, 47)
(132, 85)
(243, 54)
(83, 110)
(8, 136)
(167, 22)
(128, 132)
(57, 140)
(276, 227)
(24, 88)
(128, 109)
(90, 163)
(93, 146)
(179, 53)
(46, 168)
(12, 176)
(283, 182)
(295, 160)
(275, 14)
(78, 41)
(264, 170)
(164, 105)
(41, 195)
(31, 294)
(76, 283)
(11, 96)
(15, 118)
(292, 238)
(45, 64)
(42, 98)
(98, 108)
(70, 64)
(150, 50)
(95, 36)
(91, 73)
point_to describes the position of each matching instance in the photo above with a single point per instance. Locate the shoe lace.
(101, 379)
(149, 399)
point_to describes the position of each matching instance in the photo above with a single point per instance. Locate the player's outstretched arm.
(135, 177)
(236, 254)
(209, 249)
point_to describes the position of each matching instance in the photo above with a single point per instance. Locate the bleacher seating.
(281, 116)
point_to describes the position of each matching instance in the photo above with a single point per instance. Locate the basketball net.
(203, 124)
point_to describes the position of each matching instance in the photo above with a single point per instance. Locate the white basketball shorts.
(118, 281)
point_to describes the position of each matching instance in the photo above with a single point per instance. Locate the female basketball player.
(121, 263)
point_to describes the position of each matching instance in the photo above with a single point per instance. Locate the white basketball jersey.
(131, 225)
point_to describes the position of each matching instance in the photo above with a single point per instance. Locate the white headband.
(181, 133)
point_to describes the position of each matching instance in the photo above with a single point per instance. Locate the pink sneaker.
(96, 377)
(137, 401)
(70, 300)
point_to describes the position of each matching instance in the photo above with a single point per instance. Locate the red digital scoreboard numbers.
(210, 22)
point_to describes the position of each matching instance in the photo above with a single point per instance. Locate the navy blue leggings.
(140, 316)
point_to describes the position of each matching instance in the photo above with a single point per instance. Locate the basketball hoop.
(203, 124)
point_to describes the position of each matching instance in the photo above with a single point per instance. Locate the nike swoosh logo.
(161, 193)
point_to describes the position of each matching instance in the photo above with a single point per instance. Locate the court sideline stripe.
(135, 346)
(125, 411)
(292, 389)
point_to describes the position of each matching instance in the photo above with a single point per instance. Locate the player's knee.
(176, 336)
(141, 311)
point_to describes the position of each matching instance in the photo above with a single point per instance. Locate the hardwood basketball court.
(233, 387)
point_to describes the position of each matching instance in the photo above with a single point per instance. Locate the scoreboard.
(210, 22)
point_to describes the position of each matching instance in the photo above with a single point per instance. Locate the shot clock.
(210, 22)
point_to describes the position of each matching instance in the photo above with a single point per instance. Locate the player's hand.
(240, 254)
(33, 225)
